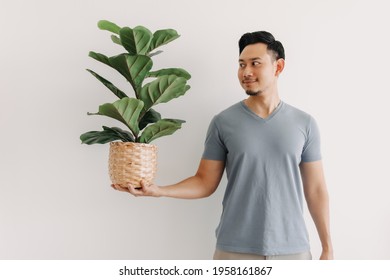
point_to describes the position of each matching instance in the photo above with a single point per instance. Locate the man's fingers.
(144, 184)
(120, 187)
(144, 189)
(134, 190)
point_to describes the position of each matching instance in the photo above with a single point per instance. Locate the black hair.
(265, 37)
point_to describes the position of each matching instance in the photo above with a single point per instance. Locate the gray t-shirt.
(263, 202)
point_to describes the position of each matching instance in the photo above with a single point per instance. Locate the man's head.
(261, 61)
(264, 37)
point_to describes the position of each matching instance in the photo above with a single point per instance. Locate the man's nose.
(247, 72)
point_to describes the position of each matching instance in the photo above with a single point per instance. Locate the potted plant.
(131, 156)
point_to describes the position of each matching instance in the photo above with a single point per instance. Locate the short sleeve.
(214, 148)
(312, 148)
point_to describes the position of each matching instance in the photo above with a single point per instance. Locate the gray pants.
(223, 255)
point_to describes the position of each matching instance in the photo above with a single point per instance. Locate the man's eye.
(255, 63)
(242, 65)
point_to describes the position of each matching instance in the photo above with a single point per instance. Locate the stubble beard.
(253, 93)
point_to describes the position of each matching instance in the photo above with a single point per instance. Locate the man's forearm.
(318, 204)
(190, 188)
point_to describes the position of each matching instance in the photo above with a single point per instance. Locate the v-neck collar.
(274, 112)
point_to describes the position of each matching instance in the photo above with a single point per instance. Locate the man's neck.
(262, 105)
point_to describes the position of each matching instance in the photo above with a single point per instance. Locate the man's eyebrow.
(252, 59)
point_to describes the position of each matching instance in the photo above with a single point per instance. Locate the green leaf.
(109, 26)
(116, 40)
(97, 137)
(119, 63)
(133, 67)
(139, 66)
(107, 135)
(100, 57)
(150, 116)
(126, 110)
(161, 128)
(137, 40)
(123, 135)
(155, 53)
(120, 94)
(162, 37)
(162, 90)
(171, 71)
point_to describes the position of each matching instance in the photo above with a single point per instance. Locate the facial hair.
(253, 93)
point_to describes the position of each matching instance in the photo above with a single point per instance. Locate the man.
(267, 148)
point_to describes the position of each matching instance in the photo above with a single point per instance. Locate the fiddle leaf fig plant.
(143, 123)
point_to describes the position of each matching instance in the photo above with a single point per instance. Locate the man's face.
(257, 70)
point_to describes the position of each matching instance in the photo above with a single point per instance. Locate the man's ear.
(279, 66)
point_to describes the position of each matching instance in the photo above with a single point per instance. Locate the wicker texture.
(129, 163)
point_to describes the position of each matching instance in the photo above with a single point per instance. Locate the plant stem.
(136, 91)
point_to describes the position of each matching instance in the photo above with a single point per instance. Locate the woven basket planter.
(129, 163)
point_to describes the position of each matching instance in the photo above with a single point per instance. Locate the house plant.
(132, 157)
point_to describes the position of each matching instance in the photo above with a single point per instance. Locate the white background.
(55, 198)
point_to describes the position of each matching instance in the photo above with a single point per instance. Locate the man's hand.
(146, 189)
(326, 255)
(202, 184)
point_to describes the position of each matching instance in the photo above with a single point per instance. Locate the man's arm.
(202, 184)
(316, 195)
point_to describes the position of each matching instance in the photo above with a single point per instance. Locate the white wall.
(55, 198)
